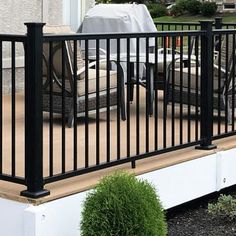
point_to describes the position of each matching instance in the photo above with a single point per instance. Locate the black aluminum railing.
(224, 73)
(12, 42)
(173, 26)
(95, 101)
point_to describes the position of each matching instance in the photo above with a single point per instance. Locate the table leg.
(151, 89)
(132, 82)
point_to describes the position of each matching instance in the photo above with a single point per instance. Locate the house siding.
(222, 5)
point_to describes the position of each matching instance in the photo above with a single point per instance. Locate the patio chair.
(158, 79)
(69, 81)
(225, 89)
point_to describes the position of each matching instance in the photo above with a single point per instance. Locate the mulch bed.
(193, 220)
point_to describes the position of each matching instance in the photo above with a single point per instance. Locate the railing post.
(33, 112)
(206, 87)
(218, 22)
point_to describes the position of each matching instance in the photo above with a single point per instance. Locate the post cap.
(34, 24)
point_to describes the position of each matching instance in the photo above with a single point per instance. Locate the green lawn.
(188, 18)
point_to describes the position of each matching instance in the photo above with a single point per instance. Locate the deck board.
(80, 183)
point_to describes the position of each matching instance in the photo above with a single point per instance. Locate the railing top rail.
(229, 23)
(13, 37)
(190, 23)
(224, 31)
(59, 37)
(176, 23)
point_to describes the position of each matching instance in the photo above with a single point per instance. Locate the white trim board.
(175, 185)
(72, 13)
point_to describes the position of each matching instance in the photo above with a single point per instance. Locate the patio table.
(153, 75)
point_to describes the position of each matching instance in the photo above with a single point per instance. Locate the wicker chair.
(69, 80)
(221, 88)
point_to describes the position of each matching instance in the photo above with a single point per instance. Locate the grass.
(227, 17)
(188, 18)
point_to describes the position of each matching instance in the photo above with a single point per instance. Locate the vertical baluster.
(156, 95)
(233, 83)
(1, 110)
(181, 90)
(137, 99)
(164, 95)
(197, 89)
(219, 86)
(189, 89)
(63, 146)
(173, 94)
(13, 108)
(86, 104)
(108, 100)
(128, 97)
(75, 103)
(118, 98)
(226, 82)
(97, 103)
(148, 88)
(51, 109)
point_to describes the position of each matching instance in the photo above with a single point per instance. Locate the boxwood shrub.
(157, 10)
(208, 8)
(193, 6)
(177, 10)
(123, 205)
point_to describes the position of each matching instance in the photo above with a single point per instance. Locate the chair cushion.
(92, 81)
(65, 29)
(193, 80)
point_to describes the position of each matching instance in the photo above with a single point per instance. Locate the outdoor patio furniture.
(81, 77)
(119, 18)
(222, 87)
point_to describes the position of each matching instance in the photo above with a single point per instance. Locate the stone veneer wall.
(13, 15)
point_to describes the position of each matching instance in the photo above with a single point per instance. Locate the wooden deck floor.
(80, 183)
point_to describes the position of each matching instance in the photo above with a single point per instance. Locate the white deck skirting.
(175, 184)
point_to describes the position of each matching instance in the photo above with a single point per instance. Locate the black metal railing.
(9, 168)
(173, 26)
(95, 101)
(176, 26)
(224, 83)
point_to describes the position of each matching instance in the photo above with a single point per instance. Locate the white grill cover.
(121, 18)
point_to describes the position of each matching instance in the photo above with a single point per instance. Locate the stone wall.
(13, 15)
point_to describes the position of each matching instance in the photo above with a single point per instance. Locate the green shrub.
(177, 10)
(182, 4)
(123, 205)
(157, 10)
(224, 208)
(193, 6)
(208, 8)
